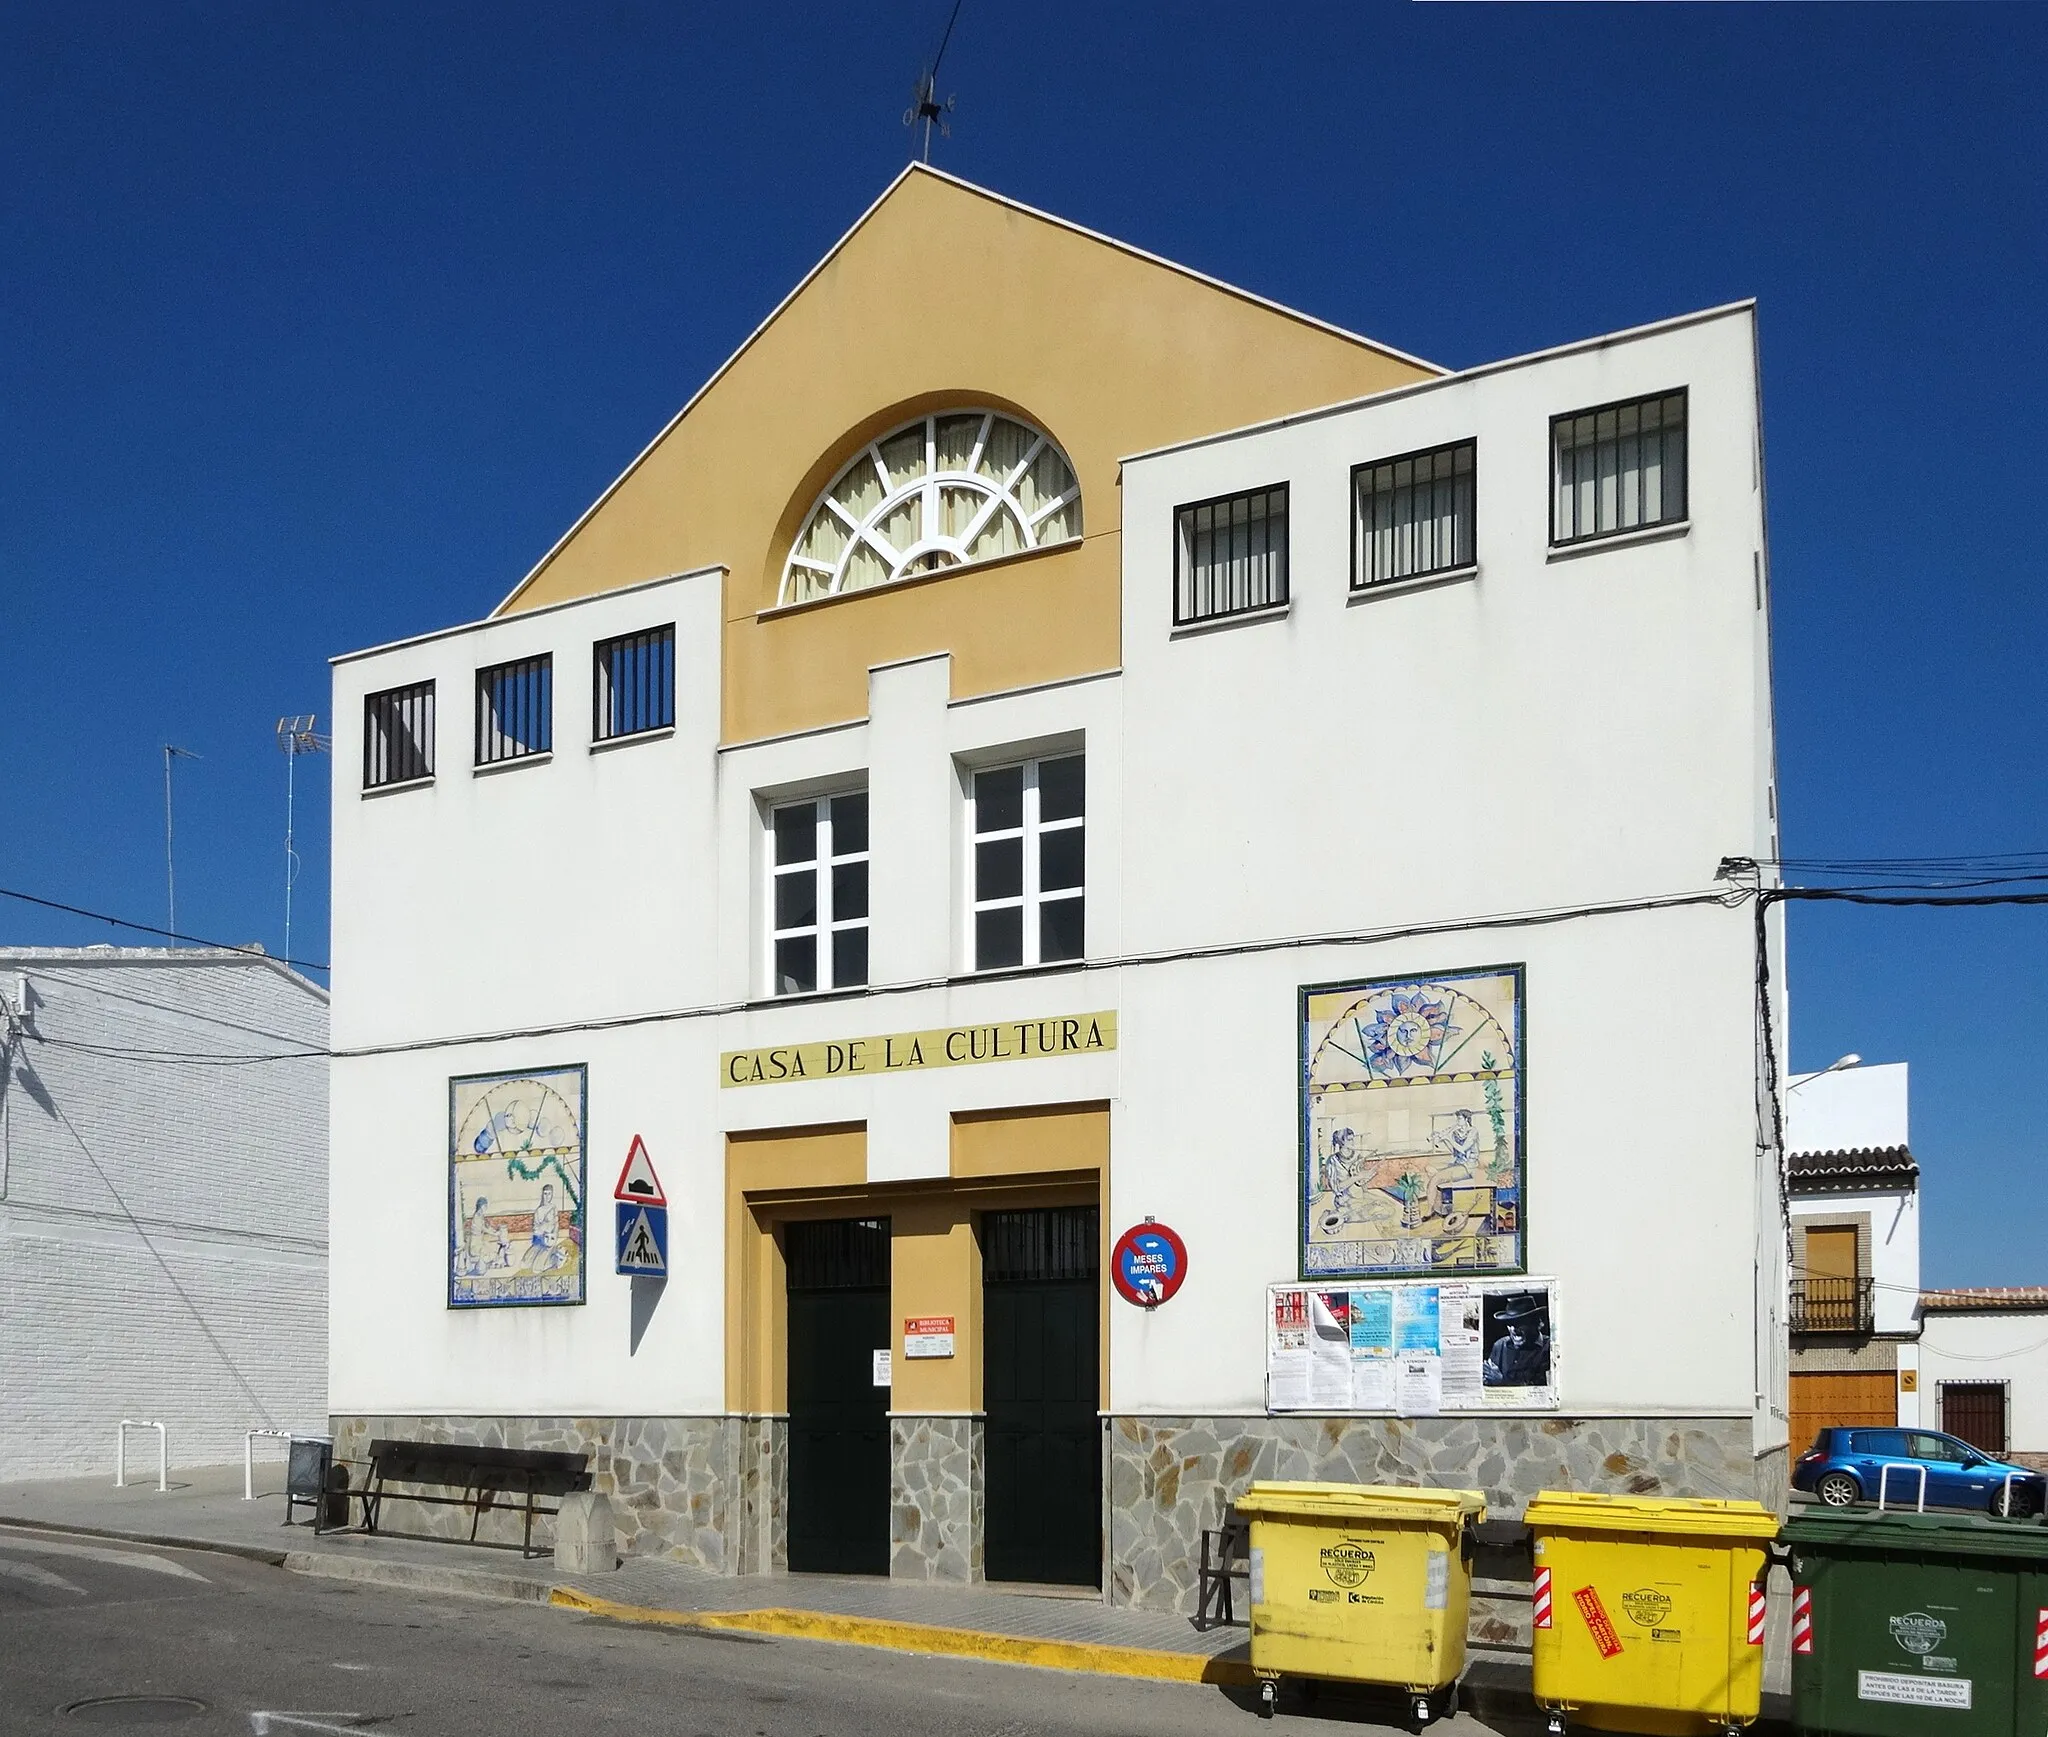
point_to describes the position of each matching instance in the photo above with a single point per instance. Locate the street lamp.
(1834, 1067)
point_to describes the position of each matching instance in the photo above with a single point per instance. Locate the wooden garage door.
(1865, 1397)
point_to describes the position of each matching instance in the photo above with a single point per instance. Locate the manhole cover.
(136, 1709)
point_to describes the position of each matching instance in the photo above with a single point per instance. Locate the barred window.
(818, 895)
(1413, 515)
(635, 686)
(515, 710)
(398, 736)
(1618, 468)
(1230, 555)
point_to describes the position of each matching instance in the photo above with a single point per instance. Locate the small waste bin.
(1361, 1583)
(1913, 1625)
(1647, 1615)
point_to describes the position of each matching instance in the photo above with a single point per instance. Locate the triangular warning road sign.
(642, 1249)
(638, 1181)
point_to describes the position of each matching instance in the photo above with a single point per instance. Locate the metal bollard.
(121, 1453)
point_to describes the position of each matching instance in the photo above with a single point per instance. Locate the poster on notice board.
(1413, 1349)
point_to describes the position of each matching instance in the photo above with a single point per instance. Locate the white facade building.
(1105, 899)
(163, 1204)
(1855, 1293)
(1984, 1367)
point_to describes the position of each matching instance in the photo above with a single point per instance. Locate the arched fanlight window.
(953, 487)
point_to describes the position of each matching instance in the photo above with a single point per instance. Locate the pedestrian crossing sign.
(643, 1238)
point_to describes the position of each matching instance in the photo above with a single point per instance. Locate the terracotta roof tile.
(1840, 1168)
(1985, 1297)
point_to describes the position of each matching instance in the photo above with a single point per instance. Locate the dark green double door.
(838, 1416)
(1040, 1354)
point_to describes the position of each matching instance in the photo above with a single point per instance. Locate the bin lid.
(1270, 1500)
(1869, 1531)
(1688, 1516)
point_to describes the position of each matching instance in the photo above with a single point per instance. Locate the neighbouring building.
(1984, 1368)
(1160, 889)
(163, 1204)
(1855, 1290)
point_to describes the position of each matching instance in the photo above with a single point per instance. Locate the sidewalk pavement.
(204, 1509)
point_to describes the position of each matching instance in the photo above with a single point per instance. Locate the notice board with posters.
(1413, 1349)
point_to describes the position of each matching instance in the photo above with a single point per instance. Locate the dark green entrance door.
(1039, 1359)
(838, 1417)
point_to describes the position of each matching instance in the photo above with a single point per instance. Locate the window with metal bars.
(1413, 515)
(818, 894)
(1620, 467)
(1028, 830)
(635, 686)
(515, 710)
(1046, 1245)
(398, 736)
(836, 1254)
(1230, 555)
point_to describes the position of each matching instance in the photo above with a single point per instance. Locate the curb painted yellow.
(918, 1637)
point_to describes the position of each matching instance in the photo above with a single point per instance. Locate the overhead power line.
(152, 929)
(1728, 896)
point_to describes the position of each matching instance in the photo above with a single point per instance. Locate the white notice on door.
(1913, 1691)
(882, 1368)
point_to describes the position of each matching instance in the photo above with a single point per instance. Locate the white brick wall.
(163, 1217)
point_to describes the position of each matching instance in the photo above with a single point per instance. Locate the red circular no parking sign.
(1148, 1264)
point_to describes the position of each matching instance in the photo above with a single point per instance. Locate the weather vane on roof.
(925, 106)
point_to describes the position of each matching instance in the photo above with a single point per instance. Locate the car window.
(1888, 1442)
(1938, 1448)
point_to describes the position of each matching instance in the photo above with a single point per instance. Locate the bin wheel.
(1425, 1711)
(1553, 1724)
(1269, 1698)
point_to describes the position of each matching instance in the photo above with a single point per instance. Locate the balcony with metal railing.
(1821, 1305)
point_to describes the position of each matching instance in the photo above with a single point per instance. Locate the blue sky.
(322, 323)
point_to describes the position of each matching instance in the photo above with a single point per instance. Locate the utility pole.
(170, 859)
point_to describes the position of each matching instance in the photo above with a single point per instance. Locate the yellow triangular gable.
(943, 294)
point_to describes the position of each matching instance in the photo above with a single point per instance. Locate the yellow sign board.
(908, 1051)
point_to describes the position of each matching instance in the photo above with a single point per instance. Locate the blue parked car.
(1844, 1466)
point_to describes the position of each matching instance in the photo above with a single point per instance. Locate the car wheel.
(2014, 1502)
(1837, 1490)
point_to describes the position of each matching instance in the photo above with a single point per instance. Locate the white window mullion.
(1031, 863)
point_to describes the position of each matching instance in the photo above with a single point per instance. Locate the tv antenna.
(925, 107)
(170, 860)
(295, 736)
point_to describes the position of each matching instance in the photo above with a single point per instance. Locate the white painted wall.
(1894, 1247)
(163, 1224)
(1992, 1345)
(1850, 1110)
(1550, 731)
(1546, 733)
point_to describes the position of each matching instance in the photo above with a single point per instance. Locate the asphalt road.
(260, 1652)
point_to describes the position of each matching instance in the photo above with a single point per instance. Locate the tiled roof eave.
(1986, 1299)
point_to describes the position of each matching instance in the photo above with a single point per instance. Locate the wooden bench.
(481, 1474)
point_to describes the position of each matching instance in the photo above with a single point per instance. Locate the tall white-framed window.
(818, 894)
(1029, 832)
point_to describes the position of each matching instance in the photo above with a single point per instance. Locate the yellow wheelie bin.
(1648, 1614)
(1361, 1583)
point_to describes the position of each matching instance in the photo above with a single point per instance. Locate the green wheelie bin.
(1918, 1625)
